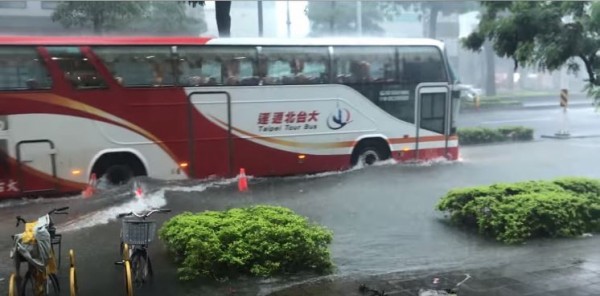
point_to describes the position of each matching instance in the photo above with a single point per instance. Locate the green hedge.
(481, 135)
(258, 241)
(512, 213)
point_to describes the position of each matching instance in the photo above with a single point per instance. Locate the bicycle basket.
(138, 232)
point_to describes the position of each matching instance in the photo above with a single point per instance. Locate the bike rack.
(57, 240)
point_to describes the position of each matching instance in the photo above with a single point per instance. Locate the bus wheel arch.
(118, 167)
(370, 150)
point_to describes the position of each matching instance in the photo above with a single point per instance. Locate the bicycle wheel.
(12, 285)
(72, 275)
(34, 283)
(139, 267)
(128, 283)
(37, 283)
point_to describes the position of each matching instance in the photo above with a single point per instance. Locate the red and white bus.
(194, 107)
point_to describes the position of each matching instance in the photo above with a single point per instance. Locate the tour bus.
(195, 107)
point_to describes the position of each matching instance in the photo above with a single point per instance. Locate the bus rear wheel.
(119, 174)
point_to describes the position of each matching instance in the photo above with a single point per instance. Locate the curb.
(523, 107)
(566, 137)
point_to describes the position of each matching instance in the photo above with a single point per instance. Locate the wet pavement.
(582, 120)
(382, 217)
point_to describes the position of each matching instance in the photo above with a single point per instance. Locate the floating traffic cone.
(242, 181)
(137, 189)
(90, 189)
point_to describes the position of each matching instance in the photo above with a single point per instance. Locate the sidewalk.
(572, 280)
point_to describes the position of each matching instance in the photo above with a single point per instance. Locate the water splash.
(147, 201)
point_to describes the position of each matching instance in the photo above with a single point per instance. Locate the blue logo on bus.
(338, 119)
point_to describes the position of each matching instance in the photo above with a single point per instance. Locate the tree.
(100, 16)
(222, 14)
(169, 17)
(547, 35)
(340, 18)
(430, 10)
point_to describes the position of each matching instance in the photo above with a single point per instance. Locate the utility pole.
(289, 21)
(260, 18)
(332, 19)
(359, 17)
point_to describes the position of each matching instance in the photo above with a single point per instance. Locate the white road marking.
(517, 120)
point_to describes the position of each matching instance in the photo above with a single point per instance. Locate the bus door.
(36, 166)
(432, 119)
(211, 144)
(8, 175)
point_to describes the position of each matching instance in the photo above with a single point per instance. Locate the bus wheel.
(119, 174)
(368, 156)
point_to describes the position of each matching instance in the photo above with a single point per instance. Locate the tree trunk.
(332, 19)
(490, 81)
(511, 77)
(97, 24)
(433, 16)
(222, 9)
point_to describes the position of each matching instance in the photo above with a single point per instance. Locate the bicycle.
(137, 233)
(35, 246)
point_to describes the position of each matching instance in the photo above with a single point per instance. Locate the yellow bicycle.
(35, 247)
(136, 235)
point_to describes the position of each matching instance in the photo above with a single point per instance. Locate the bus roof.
(174, 40)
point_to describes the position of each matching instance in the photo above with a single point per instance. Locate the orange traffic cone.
(91, 187)
(242, 181)
(139, 192)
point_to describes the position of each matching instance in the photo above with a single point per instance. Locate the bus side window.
(422, 64)
(76, 67)
(217, 65)
(295, 65)
(22, 68)
(138, 66)
(354, 64)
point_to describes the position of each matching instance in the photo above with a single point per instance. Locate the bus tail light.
(301, 158)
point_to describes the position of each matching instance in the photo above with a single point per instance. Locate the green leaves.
(481, 135)
(258, 241)
(124, 16)
(546, 34)
(512, 213)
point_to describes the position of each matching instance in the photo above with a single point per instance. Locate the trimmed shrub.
(512, 213)
(257, 240)
(481, 135)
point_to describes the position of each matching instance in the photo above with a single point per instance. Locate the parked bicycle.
(35, 247)
(136, 235)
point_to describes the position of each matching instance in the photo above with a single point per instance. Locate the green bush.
(515, 212)
(258, 241)
(481, 135)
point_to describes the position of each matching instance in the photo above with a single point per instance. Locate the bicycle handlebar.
(142, 215)
(56, 211)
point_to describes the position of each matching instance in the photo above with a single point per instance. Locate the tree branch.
(589, 69)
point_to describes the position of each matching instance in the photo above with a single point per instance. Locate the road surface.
(580, 121)
(382, 217)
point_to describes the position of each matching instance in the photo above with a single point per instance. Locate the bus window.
(210, 65)
(433, 110)
(22, 68)
(138, 66)
(76, 67)
(295, 65)
(354, 64)
(421, 64)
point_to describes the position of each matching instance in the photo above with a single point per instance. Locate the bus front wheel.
(368, 156)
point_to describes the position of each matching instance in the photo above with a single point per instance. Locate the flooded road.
(383, 218)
